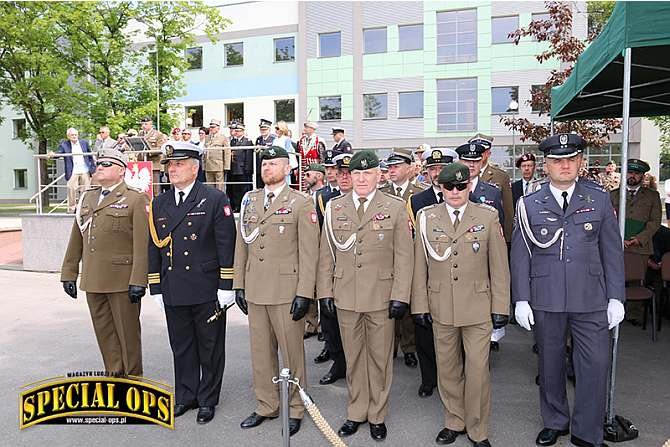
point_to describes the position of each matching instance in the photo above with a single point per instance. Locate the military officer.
(365, 272)
(435, 161)
(242, 165)
(526, 164)
(275, 280)
(341, 145)
(331, 170)
(154, 139)
(266, 138)
(109, 236)
(498, 178)
(460, 252)
(217, 155)
(400, 165)
(190, 274)
(568, 275)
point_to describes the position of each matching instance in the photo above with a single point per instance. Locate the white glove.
(226, 298)
(159, 300)
(524, 315)
(615, 312)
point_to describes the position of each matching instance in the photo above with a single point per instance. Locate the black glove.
(299, 307)
(397, 309)
(423, 320)
(328, 307)
(499, 321)
(135, 293)
(241, 301)
(70, 288)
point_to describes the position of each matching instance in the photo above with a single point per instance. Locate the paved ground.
(45, 333)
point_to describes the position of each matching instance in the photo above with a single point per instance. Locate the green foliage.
(598, 14)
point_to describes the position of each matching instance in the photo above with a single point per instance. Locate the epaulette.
(434, 205)
(134, 189)
(93, 187)
(486, 207)
(301, 193)
(338, 197)
(392, 196)
(593, 185)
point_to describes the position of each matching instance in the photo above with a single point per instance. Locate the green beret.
(454, 173)
(363, 160)
(274, 152)
(316, 167)
(638, 165)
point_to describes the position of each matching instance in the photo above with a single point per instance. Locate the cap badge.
(169, 150)
(563, 139)
(459, 176)
(436, 155)
(272, 152)
(472, 148)
(364, 163)
(345, 161)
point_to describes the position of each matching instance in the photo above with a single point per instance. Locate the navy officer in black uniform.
(190, 272)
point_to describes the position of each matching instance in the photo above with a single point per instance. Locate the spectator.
(523, 186)
(284, 140)
(78, 168)
(202, 134)
(610, 179)
(176, 134)
(186, 135)
(104, 140)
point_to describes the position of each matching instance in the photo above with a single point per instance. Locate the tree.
(564, 47)
(598, 14)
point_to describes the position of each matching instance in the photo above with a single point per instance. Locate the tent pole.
(622, 213)
(551, 126)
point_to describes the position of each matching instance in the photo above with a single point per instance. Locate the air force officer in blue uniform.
(568, 275)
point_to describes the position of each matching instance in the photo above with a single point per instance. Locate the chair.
(636, 290)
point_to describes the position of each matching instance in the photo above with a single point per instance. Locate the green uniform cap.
(316, 167)
(638, 165)
(274, 152)
(363, 160)
(454, 173)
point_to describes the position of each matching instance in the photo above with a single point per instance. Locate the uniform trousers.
(367, 339)
(330, 327)
(312, 318)
(199, 351)
(464, 384)
(404, 334)
(116, 322)
(425, 352)
(590, 354)
(271, 327)
(217, 178)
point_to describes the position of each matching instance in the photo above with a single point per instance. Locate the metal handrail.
(45, 188)
(63, 202)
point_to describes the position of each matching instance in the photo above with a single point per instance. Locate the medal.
(475, 247)
(588, 226)
(194, 236)
(544, 231)
(281, 229)
(380, 236)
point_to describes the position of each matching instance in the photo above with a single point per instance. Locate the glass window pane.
(456, 105)
(234, 53)
(457, 36)
(375, 106)
(501, 98)
(374, 40)
(285, 110)
(194, 113)
(410, 37)
(410, 105)
(501, 27)
(329, 45)
(284, 49)
(234, 112)
(194, 58)
(330, 108)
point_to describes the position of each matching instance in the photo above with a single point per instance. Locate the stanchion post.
(285, 376)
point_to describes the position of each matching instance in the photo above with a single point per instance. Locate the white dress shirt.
(186, 192)
(78, 162)
(473, 183)
(102, 196)
(276, 193)
(355, 197)
(558, 193)
(460, 210)
(402, 187)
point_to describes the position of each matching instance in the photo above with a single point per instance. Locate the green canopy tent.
(624, 72)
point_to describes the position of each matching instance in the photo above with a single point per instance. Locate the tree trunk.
(44, 173)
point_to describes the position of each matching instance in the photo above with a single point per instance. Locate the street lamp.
(513, 107)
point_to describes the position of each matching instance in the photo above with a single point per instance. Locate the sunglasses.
(105, 164)
(458, 186)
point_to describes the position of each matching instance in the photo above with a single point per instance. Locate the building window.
(374, 40)
(410, 105)
(330, 108)
(541, 16)
(330, 45)
(536, 89)
(21, 179)
(234, 53)
(235, 112)
(194, 58)
(410, 37)
(375, 106)
(501, 27)
(193, 116)
(457, 105)
(285, 110)
(19, 128)
(284, 49)
(501, 98)
(457, 36)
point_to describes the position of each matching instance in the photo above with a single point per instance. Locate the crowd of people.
(428, 252)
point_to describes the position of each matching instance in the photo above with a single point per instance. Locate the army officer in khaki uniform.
(275, 278)
(460, 253)
(217, 155)
(110, 236)
(365, 271)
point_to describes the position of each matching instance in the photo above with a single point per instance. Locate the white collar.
(355, 198)
(473, 183)
(634, 189)
(186, 192)
(403, 187)
(278, 190)
(113, 187)
(558, 193)
(461, 211)
(437, 190)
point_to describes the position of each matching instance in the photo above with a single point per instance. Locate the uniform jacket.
(343, 146)
(473, 282)
(378, 267)
(200, 258)
(421, 200)
(323, 195)
(582, 272)
(489, 195)
(517, 191)
(645, 206)
(499, 178)
(260, 141)
(66, 148)
(243, 159)
(155, 140)
(409, 191)
(280, 262)
(216, 159)
(110, 239)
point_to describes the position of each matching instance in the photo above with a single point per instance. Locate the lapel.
(577, 200)
(111, 197)
(349, 207)
(442, 220)
(278, 202)
(467, 220)
(374, 207)
(478, 192)
(547, 198)
(179, 213)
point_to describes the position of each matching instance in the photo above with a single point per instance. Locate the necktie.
(440, 197)
(181, 199)
(631, 194)
(268, 202)
(361, 207)
(398, 191)
(104, 193)
(565, 201)
(456, 219)
(525, 188)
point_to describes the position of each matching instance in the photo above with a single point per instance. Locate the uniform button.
(359, 265)
(93, 225)
(359, 253)
(92, 237)
(170, 267)
(185, 238)
(190, 223)
(455, 253)
(168, 254)
(262, 234)
(163, 226)
(185, 253)
(95, 214)
(92, 249)
(455, 266)
(360, 241)
(260, 259)
(188, 267)
(455, 278)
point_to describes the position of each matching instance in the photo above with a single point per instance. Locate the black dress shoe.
(495, 346)
(180, 409)
(447, 436)
(378, 431)
(323, 357)
(349, 428)
(205, 414)
(410, 360)
(581, 443)
(426, 390)
(549, 436)
(483, 443)
(307, 335)
(254, 420)
(293, 426)
(330, 377)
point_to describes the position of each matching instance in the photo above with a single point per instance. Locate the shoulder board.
(486, 207)
(300, 193)
(495, 185)
(93, 188)
(434, 205)
(593, 185)
(400, 199)
(137, 190)
(341, 196)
